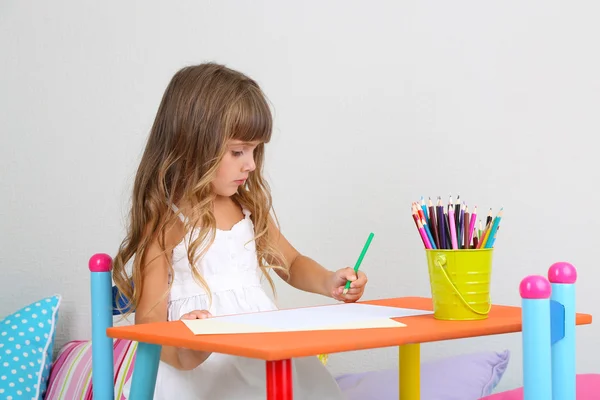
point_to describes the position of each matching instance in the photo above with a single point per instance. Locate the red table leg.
(279, 380)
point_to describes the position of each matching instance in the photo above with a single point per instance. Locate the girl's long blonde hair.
(202, 108)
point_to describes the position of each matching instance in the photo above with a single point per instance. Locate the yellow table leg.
(410, 371)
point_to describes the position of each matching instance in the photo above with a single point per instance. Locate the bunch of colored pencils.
(453, 227)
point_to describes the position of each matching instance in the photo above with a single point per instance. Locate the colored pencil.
(420, 212)
(457, 218)
(461, 238)
(431, 208)
(481, 237)
(447, 232)
(433, 226)
(441, 225)
(489, 217)
(424, 236)
(424, 208)
(458, 223)
(472, 225)
(492, 238)
(452, 221)
(467, 238)
(415, 214)
(359, 261)
(428, 232)
(485, 235)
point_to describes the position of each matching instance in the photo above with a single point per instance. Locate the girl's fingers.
(351, 299)
(201, 314)
(198, 314)
(360, 282)
(350, 296)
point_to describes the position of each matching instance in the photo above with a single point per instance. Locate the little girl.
(201, 235)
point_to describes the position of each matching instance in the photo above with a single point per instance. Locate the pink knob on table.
(100, 263)
(562, 272)
(535, 287)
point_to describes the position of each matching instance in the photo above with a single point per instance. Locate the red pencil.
(420, 211)
(415, 215)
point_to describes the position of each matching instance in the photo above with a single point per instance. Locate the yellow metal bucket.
(460, 283)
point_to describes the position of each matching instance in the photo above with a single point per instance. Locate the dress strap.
(176, 210)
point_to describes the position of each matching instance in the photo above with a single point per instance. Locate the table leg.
(410, 371)
(279, 380)
(145, 370)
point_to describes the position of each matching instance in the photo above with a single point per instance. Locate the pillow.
(71, 373)
(463, 377)
(588, 388)
(26, 346)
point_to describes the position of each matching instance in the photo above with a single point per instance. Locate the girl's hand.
(338, 283)
(197, 314)
(190, 359)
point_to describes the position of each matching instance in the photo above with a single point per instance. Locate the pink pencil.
(423, 235)
(472, 224)
(452, 227)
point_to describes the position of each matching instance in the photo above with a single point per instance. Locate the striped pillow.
(71, 373)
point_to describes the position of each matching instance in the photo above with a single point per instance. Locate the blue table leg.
(144, 371)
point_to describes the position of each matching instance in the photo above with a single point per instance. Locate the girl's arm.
(305, 273)
(153, 302)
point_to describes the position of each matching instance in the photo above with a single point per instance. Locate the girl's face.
(235, 167)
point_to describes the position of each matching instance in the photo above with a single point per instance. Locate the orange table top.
(284, 345)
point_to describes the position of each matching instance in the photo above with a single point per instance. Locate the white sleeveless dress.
(230, 268)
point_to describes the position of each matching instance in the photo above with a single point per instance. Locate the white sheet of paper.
(212, 326)
(339, 316)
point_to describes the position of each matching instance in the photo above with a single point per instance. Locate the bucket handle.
(440, 260)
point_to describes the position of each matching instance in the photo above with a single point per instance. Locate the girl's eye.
(237, 153)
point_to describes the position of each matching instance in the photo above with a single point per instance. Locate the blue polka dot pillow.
(26, 346)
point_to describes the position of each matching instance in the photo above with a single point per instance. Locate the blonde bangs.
(251, 118)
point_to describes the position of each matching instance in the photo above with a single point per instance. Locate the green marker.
(359, 261)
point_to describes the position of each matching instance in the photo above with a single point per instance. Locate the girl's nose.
(250, 165)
